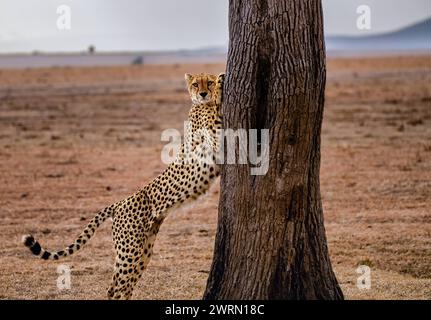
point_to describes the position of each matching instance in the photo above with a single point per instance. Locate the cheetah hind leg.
(124, 278)
(128, 270)
(129, 249)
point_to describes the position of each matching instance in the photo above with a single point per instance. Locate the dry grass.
(75, 140)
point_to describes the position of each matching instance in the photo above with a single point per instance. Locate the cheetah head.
(201, 86)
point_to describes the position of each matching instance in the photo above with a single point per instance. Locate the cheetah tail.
(82, 239)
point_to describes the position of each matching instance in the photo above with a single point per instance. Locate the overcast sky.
(114, 25)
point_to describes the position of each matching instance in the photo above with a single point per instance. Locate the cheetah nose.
(203, 94)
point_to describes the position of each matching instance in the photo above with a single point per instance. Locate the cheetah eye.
(195, 84)
(210, 83)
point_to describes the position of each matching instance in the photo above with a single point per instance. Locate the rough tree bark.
(270, 241)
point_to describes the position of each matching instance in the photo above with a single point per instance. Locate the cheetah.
(137, 219)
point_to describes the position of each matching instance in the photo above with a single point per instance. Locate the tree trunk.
(270, 241)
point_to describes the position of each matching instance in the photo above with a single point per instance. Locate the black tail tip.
(28, 240)
(34, 246)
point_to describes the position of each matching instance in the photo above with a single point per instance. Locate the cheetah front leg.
(213, 135)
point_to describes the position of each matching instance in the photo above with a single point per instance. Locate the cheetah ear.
(188, 77)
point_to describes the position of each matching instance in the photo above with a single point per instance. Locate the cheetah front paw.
(221, 77)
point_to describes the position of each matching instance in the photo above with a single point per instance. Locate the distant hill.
(415, 37)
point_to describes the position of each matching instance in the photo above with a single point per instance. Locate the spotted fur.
(137, 219)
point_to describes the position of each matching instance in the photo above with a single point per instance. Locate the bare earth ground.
(74, 140)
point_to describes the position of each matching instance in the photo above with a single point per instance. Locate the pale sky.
(114, 25)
